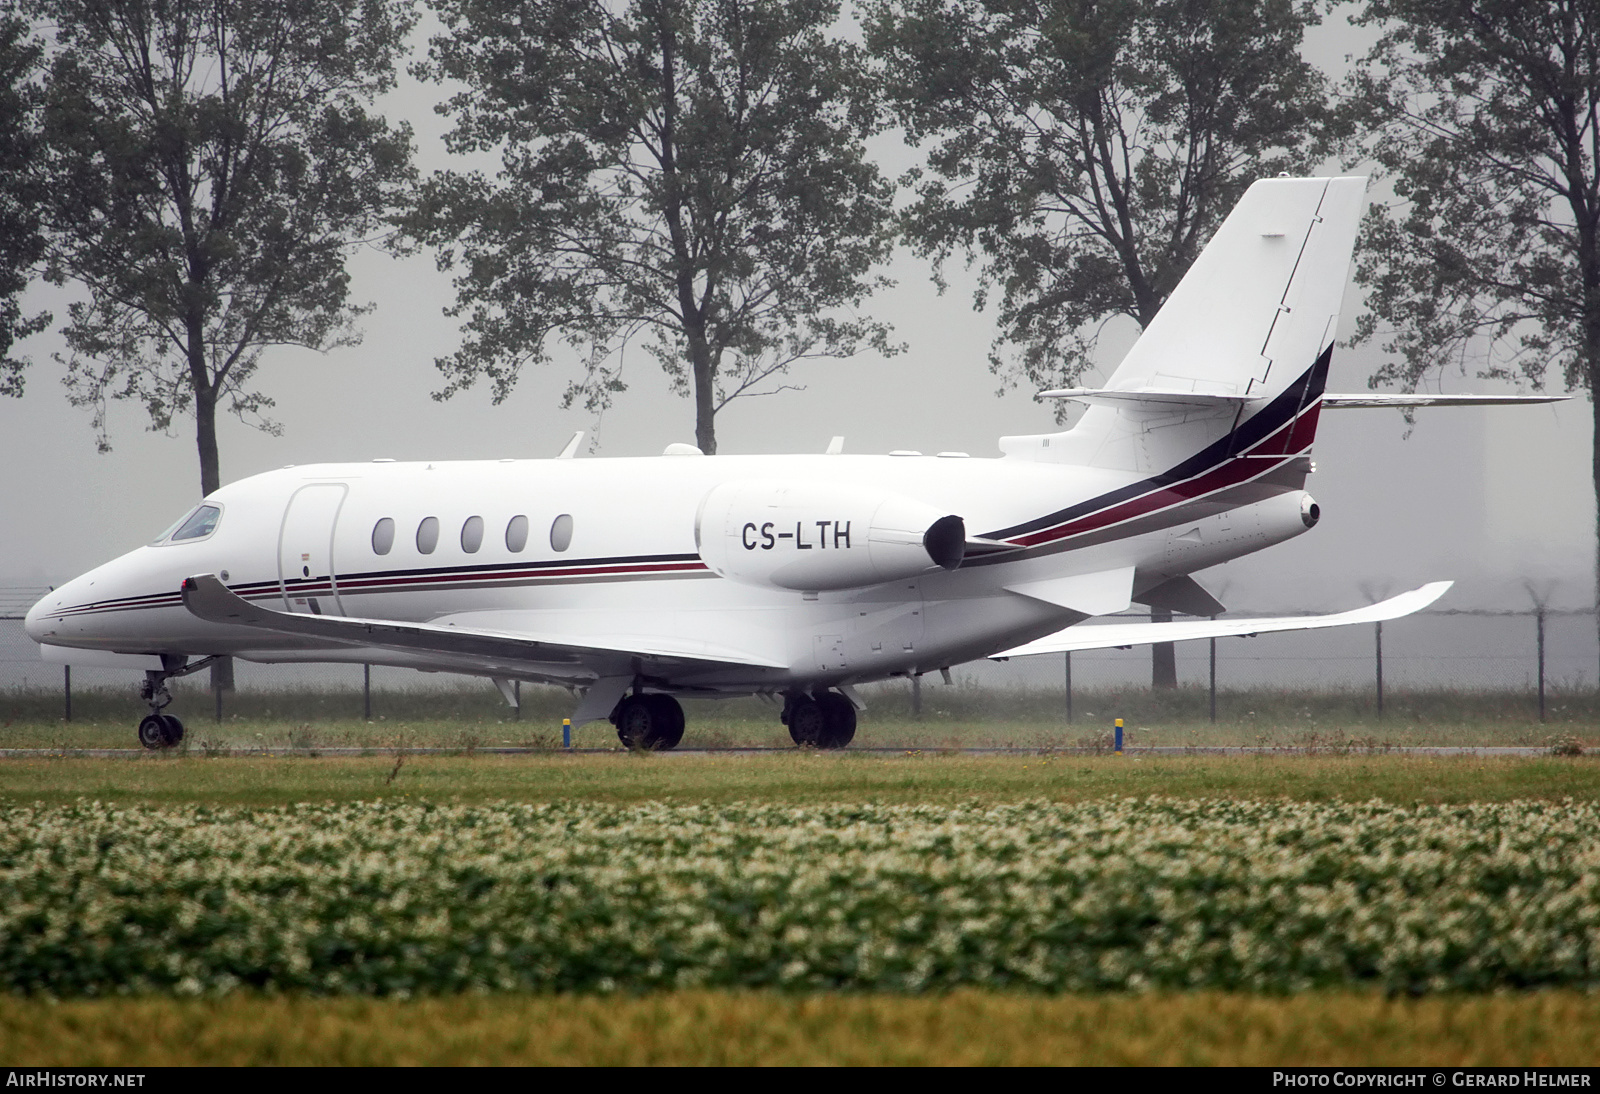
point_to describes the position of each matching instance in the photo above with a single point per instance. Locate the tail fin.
(1239, 354)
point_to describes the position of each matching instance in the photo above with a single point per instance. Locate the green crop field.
(1344, 906)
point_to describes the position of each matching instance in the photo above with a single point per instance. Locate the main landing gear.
(651, 721)
(654, 721)
(824, 720)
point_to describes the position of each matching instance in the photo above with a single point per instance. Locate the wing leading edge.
(1115, 635)
(206, 597)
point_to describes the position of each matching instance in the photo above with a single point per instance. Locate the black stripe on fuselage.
(1272, 417)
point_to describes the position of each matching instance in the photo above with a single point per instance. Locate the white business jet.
(637, 581)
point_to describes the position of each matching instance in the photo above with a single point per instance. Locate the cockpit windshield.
(194, 525)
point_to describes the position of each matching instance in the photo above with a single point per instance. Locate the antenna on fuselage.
(835, 446)
(572, 446)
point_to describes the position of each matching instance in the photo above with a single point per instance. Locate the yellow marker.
(1119, 736)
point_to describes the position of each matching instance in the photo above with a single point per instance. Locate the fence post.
(66, 675)
(1069, 687)
(1378, 630)
(1213, 680)
(1539, 617)
(366, 692)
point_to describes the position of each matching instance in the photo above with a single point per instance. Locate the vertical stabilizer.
(1247, 334)
(1261, 302)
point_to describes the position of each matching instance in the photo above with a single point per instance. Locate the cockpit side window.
(197, 525)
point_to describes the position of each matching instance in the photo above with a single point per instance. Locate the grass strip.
(745, 1028)
(964, 715)
(798, 778)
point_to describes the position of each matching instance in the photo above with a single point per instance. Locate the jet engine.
(815, 536)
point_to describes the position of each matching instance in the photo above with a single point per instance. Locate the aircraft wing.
(205, 596)
(1118, 635)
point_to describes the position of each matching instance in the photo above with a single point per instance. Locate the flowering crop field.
(410, 899)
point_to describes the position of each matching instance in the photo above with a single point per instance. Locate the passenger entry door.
(305, 549)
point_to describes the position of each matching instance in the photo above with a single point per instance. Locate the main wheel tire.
(838, 720)
(153, 731)
(652, 722)
(633, 721)
(807, 723)
(668, 728)
(174, 730)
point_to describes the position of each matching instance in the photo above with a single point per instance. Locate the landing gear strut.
(158, 730)
(650, 721)
(826, 720)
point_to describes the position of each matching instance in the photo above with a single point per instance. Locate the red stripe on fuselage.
(1231, 472)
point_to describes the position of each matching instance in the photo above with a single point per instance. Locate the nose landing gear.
(158, 730)
(825, 720)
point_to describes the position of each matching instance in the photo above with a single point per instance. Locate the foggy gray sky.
(1489, 497)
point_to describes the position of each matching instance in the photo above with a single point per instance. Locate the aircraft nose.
(36, 621)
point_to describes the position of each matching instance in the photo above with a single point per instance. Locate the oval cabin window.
(517, 534)
(472, 535)
(561, 532)
(428, 535)
(383, 536)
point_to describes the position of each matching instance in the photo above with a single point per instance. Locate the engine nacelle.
(816, 536)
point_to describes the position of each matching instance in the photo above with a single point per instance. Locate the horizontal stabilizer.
(1120, 635)
(205, 596)
(1153, 398)
(1100, 593)
(1355, 402)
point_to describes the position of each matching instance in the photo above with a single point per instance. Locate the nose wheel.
(158, 730)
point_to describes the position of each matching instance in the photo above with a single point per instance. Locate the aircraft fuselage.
(609, 547)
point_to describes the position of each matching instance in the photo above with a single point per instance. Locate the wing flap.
(206, 597)
(1115, 635)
